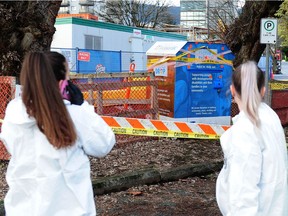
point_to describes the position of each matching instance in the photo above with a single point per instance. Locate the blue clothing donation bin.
(193, 81)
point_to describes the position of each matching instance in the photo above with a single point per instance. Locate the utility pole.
(268, 36)
(208, 18)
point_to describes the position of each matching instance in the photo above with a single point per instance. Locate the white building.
(72, 32)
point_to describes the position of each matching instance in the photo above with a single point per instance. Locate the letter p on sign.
(268, 31)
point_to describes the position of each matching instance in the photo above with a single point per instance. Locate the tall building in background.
(202, 18)
(193, 13)
(77, 7)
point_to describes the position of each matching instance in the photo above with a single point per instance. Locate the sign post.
(268, 35)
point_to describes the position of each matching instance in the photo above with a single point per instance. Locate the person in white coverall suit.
(49, 140)
(253, 180)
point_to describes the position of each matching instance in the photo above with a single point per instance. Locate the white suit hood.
(16, 113)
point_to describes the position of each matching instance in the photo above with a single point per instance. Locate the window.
(193, 5)
(63, 10)
(93, 42)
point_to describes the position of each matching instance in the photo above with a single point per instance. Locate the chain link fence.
(131, 95)
(277, 92)
(234, 109)
(7, 93)
(120, 94)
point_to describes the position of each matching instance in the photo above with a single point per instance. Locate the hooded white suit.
(253, 180)
(44, 181)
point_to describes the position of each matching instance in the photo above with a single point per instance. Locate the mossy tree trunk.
(243, 36)
(25, 26)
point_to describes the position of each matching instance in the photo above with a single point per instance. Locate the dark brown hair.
(43, 101)
(57, 62)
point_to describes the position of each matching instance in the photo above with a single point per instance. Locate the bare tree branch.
(138, 13)
(243, 36)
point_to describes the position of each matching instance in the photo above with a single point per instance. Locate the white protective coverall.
(253, 180)
(45, 181)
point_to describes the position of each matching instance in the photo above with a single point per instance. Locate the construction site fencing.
(120, 94)
(7, 93)
(116, 94)
(89, 61)
(234, 109)
(131, 95)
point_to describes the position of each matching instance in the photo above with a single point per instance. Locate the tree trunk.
(243, 36)
(25, 26)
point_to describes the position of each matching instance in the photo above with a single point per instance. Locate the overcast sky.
(176, 2)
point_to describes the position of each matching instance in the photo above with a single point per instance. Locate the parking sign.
(268, 31)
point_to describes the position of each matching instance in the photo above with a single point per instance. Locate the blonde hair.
(248, 81)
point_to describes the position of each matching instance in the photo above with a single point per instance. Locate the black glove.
(76, 96)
